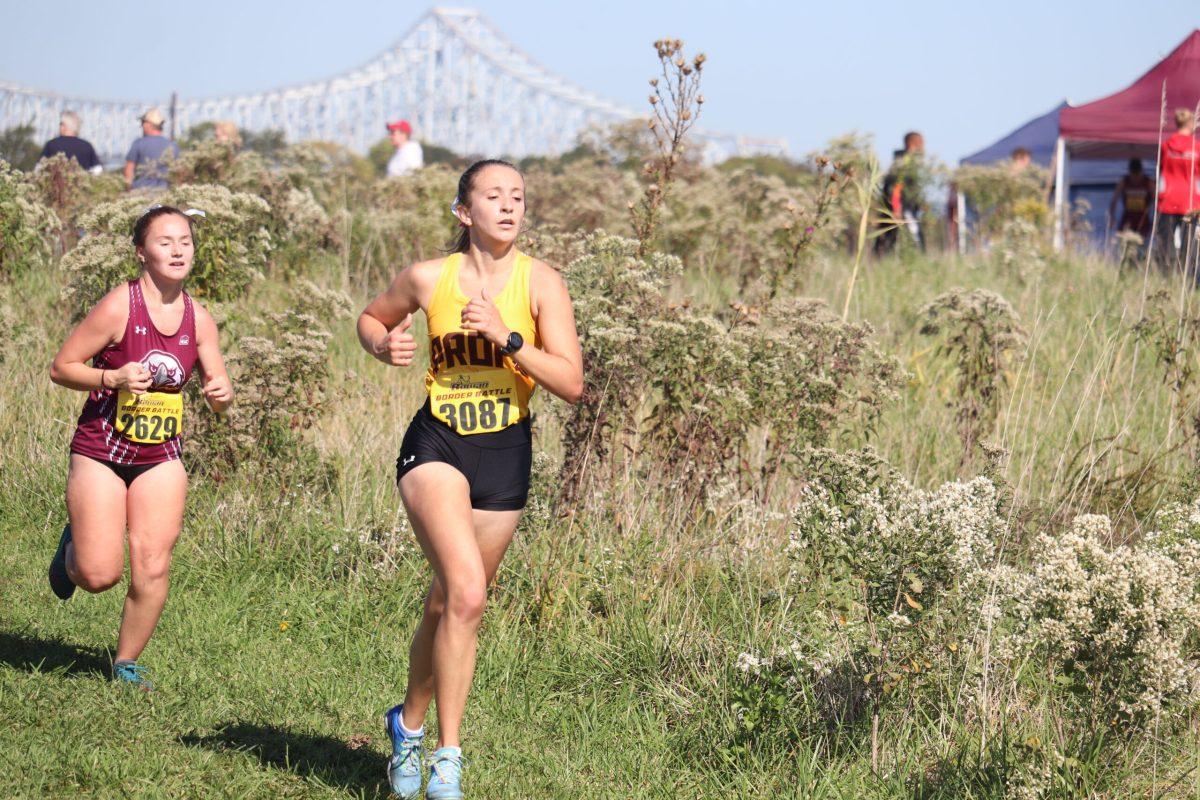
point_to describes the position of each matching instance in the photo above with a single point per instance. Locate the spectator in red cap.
(408, 155)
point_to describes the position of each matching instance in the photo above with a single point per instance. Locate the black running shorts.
(496, 465)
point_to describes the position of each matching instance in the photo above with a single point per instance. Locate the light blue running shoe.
(404, 767)
(132, 674)
(445, 781)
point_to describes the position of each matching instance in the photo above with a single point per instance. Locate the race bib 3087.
(481, 401)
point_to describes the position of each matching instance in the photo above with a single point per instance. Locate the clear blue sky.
(963, 73)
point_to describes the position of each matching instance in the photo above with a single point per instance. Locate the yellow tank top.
(472, 387)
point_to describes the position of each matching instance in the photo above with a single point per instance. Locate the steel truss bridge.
(460, 81)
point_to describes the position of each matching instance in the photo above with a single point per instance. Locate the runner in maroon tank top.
(143, 339)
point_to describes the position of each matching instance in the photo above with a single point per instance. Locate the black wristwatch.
(515, 342)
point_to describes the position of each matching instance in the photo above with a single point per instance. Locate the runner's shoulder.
(545, 278)
(205, 323)
(422, 275)
(113, 308)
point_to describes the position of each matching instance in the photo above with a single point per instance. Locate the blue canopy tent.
(1091, 180)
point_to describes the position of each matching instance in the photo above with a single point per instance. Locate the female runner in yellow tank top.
(500, 323)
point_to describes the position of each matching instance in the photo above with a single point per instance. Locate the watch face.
(515, 342)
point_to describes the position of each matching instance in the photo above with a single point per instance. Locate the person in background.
(144, 167)
(1020, 160)
(70, 145)
(903, 198)
(226, 131)
(1133, 190)
(408, 155)
(1177, 195)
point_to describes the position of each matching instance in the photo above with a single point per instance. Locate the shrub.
(737, 399)
(281, 383)
(1000, 195)
(19, 148)
(983, 336)
(402, 220)
(791, 374)
(232, 245)
(676, 103)
(298, 224)
(883, 576)
(1020, 247)
(581, 197)
(615, 293)
(27, 226)
(1120, 625)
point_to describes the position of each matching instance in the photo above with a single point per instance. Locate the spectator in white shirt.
(408, 155)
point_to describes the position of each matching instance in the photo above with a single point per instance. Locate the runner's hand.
(482, 316)
(398, 347)
(218, 389)
(133, 377)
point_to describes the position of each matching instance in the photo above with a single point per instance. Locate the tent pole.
(1060, 179)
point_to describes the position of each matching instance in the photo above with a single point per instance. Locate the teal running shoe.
(60, 581)
(445, 781)
(404, 767)
(132, 674)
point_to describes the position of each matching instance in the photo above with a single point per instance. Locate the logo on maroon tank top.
(165, 370)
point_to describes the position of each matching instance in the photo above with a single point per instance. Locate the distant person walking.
(903, 196)
(408, 156)
(1134, 191)
(70, 145)
(144, 167)
(1178, 198)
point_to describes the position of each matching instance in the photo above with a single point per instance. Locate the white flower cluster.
(1120, 617)
(879, 529)
(786, 659)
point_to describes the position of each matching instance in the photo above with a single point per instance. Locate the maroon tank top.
(169, 359)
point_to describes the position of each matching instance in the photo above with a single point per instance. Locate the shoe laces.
(407, 755)
(447, 767)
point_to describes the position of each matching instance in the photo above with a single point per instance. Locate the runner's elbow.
(574, 390)
(56, 373)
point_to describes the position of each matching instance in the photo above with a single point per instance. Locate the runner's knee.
(466, 600)
(146, 571)
(96, 579)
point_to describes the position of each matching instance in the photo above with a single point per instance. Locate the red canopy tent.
(1132, 122)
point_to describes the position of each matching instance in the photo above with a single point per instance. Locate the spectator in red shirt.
(1178, 198)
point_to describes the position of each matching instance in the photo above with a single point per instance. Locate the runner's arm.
(558, 365)
(102, 327)
(217, 388)
(383, 325)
